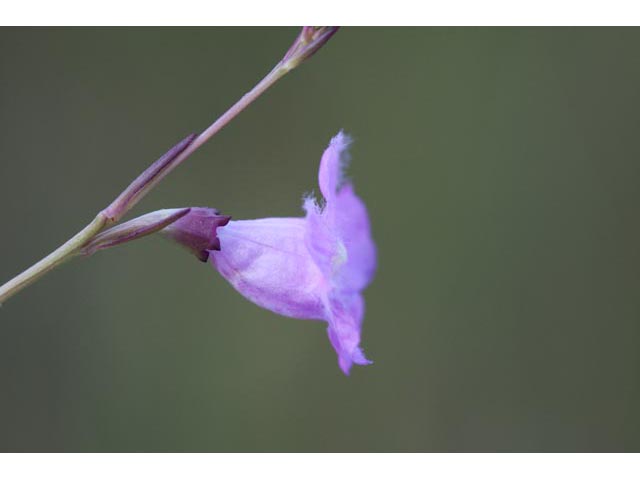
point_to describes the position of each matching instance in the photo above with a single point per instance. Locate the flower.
(314, 267)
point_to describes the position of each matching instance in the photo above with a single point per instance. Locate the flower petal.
(354, 230)
(321, 239)
(267, 261)
(345, 324)
(339, 235)
(334, 160)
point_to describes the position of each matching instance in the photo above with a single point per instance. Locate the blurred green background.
(501, 168)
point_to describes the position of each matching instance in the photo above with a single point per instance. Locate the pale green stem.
(63, 253)
(304, 46)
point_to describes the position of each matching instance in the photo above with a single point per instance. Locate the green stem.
(63, 253)
(307, 43)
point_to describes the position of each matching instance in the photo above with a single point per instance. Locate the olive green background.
(501, 168)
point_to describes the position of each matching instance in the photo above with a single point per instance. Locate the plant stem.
(63, 253)
(307, 43)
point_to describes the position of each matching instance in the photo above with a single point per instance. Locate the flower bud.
(134, 229)
(147, 180)
(310, 40)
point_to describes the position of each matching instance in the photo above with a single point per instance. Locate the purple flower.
(310, 268)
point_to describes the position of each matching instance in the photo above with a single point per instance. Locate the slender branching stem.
(63, 253)
(307, 43)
